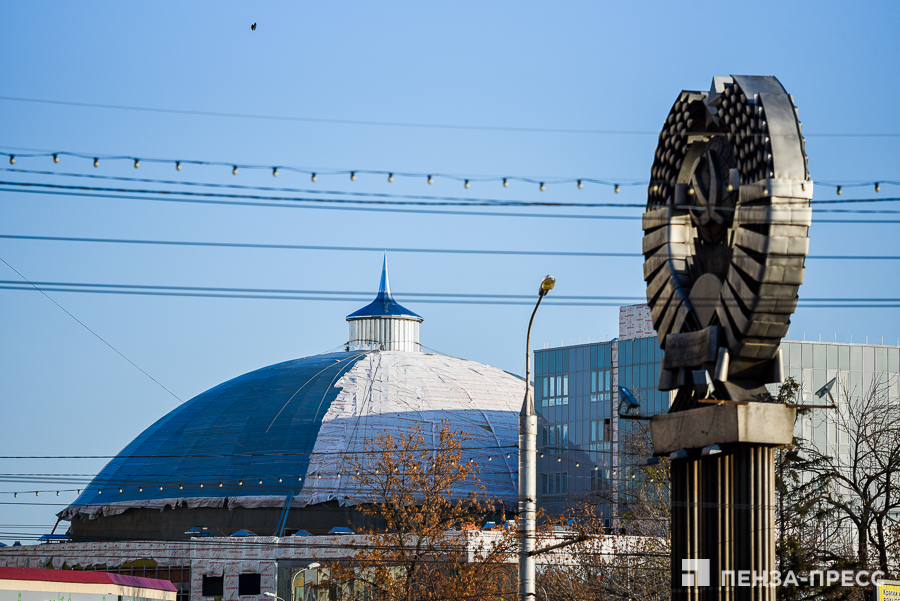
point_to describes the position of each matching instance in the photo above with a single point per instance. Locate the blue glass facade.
(576, 394)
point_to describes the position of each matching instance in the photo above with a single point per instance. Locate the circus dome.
(262, 452)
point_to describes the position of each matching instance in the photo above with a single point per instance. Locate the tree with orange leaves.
(430, 505)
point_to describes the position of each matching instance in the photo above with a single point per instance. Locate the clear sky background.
(580, 66)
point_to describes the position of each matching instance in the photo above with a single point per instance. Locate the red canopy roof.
(80, 576)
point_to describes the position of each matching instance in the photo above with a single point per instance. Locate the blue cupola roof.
(384, 305)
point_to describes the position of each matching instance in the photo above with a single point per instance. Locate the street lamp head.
(547, 284)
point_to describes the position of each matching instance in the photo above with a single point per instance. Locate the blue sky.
(575, 66)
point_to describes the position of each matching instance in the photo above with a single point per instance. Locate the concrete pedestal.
(723, 503)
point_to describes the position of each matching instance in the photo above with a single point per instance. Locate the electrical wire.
(314, 173)
(381, 249)
(464, 201)
(438, 298)
(406, 124)
(322, 203)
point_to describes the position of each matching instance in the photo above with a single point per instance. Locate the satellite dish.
(826, 390)
(628, 398)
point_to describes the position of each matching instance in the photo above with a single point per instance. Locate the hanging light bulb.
(559, 460)
(507, 455)
(580, 185)
(490, 458)
(542, 454)
(55, 158)
(505, 183)
(691, 191)
(234, 170)
(12, 159)
(877, 187)
(616, 189)
(274, 171)
(430, 180)
(839, 191)
(390, 177)
(220, 485)
(37, 494)
(181, 487)
(353, 176)
(240, 482)
(140, 489)
(137, 163)
(319, 476)
(467, 183)
(260, 481)
(120, 490)
(279, 480)
(313, 177)
(543, 187)
(79, 491)
(160, 488)
(177, 165)
(201, 485)
(729, 188)
(99, 491)
(96, 162)
(655, 188)
(577, 464)
(299, 478)
(57, 493)
(15, 495)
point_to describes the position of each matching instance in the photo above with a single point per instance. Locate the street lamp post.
(528, 466)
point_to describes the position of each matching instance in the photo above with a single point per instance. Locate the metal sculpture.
(726, 238)
(725, 241)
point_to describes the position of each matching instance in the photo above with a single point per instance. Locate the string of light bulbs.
(390, 176)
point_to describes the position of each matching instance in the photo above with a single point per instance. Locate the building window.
(248, 584)
(543, 484)
(565, 482)
(593, 430)
(600, 385)
(213, 586)
(607, 430)
(556, 390)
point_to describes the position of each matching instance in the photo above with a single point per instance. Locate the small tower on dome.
(384, 324)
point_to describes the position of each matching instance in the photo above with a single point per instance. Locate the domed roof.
(279, 431)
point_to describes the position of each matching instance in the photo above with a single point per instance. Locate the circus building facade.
(259, 458)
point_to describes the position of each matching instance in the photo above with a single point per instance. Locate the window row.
(214, 586)
(556, 436)
(555, 390)
(600, 385)
(552, 484)
(601, 430)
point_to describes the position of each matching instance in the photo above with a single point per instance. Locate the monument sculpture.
(725, 242)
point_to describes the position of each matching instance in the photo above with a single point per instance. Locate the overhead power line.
(407, 124)
(467, 180)
(419, 297)
(297, 202)
(379, 249)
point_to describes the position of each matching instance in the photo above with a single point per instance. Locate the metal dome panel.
(268, 435)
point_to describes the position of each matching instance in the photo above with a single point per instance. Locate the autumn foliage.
(432, 507)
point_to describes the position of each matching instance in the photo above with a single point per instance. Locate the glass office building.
(577, 396)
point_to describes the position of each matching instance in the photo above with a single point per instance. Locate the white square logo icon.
(690, 567)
